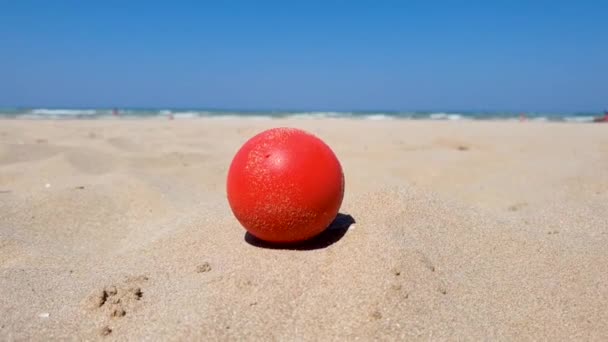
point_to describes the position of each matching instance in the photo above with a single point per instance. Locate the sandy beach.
(120, 230)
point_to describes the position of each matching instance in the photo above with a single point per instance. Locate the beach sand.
(120, 230)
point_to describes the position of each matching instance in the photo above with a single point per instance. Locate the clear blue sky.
(400, 55)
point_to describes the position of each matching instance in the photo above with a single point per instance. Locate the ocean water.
(105, 113)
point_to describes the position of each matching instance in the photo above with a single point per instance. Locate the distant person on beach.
(602, 119)
(115, 112)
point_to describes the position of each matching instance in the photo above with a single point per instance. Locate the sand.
(120, 230)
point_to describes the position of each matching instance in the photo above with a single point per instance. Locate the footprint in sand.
(203, 268)
(105, 331)
(116, 301)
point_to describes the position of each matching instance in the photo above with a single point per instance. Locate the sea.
(193, 113)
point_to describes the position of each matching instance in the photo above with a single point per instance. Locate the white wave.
(316, 115)
(579, 118)
(377, 117)
(185, 115)
(539, 119)
(260, 117)
(57, 112)
(238, 117)
(438, 116)
(445, 116)
(36, 117)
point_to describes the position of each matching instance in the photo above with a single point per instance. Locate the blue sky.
(324, 55)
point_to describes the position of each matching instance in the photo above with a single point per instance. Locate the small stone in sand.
(204, 267)
(80, 187)
(44, 315)
(463, 148)
(376, 315)
(47, 185)
(105, 331)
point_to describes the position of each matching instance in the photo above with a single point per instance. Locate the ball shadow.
(332, 234)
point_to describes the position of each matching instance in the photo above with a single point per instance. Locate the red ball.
(285, 185)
